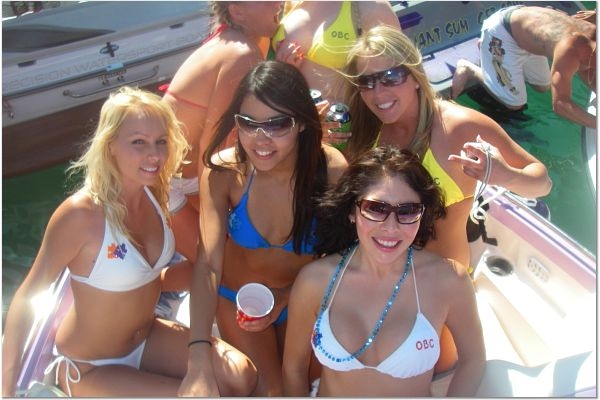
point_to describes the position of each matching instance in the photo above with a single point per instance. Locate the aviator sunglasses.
(273, 127)
(378, 211)
(390, 77)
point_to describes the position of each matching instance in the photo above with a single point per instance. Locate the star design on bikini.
(116, 250)
(234, 221)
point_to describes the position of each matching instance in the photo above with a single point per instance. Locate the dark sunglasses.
(391, 77)
(378, 211)
(273, 127)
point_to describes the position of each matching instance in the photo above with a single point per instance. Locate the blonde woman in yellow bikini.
(392, 102)
(316, 37)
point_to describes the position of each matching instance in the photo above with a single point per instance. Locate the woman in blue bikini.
(256, 213)
(201, 90)
(373, 309)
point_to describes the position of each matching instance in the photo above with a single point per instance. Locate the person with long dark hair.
(373, 308)
(257, 203)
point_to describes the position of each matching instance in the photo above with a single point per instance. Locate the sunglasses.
(391, 77)
(378, 211)
(273, 127)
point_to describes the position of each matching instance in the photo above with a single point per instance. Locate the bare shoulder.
(373, 13)
(336, 162)
(224, 157)
(213, 60)
(76, 217)
(314, 276)
(226, 176)
(463, 123)
(444, 272)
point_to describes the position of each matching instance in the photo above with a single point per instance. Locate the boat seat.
(570, 376)
(497, 343)
(440, 65)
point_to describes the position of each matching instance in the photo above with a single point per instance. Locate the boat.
(59, 65)
(590, 144)
(535, 286)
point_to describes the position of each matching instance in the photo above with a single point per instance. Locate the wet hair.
(102, 176)
(335, 232)
(282, 87)
(391, 43)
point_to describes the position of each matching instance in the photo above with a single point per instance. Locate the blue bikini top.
(243, 232)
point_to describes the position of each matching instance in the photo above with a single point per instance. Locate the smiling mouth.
(388, 244)
(150, 169)
(385, 106)
(264, 153)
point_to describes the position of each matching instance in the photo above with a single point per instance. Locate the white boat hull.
(536, 294)
(143, 43)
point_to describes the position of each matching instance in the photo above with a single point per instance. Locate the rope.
(477, 212)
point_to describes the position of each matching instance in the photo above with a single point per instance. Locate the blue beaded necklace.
(316, 336)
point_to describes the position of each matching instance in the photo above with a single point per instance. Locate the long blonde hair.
(389, 42)
(102, 176)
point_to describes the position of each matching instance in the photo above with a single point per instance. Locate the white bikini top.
(120, 267)
(416, 355)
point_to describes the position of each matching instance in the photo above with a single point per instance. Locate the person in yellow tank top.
(316, 36)
(392, 102)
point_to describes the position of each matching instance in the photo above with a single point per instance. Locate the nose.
(377, 86)
(264, 134)
(391, 222)
(154, 152)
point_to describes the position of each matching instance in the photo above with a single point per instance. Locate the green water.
(557, 143)
(29, 200)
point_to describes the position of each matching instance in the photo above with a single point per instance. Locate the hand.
(329, 135)
(281, 296)
(290, 52)
(475, 157)
(258, 325)
(334, 137)
(199, 383)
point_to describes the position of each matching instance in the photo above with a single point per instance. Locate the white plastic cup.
(254, 301)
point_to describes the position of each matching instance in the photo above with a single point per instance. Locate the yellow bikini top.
(442, 179)
(330, 47)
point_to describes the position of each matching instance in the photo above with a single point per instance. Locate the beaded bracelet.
(200, 341)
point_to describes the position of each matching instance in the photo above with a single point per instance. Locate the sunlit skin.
(300, 26)
(110, 324)
(365, 288)
(458, 150)
(270, 207)
(204, 86)
(458, 138)
(568, 41)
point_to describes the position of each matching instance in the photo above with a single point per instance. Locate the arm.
(373, 13)
(463, 321)
(336, 163)
(303, 306)
(512, 166)
(200, 379)
(568, 56)
(60, 244)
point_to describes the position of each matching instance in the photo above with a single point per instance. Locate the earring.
(351, 218)
(417, 87)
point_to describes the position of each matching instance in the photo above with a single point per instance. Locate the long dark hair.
(282, 87)
(335, 232)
